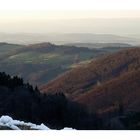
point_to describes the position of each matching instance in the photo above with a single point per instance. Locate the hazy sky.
(68, 4)
(42, 16)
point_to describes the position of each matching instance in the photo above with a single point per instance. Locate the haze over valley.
(69, 68)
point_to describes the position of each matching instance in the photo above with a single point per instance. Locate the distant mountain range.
(100, 45)
(65, 38)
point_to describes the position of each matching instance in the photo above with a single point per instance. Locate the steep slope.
(82, 79)
(123, 90)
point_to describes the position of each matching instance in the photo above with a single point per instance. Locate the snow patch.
(40, 127)
(14, 124)
(67, 128)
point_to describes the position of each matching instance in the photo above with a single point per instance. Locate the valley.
(40, 63)
(71, 85)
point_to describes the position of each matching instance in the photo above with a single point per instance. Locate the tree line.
(24, 102)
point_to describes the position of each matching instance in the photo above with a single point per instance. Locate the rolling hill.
(39, 63)
(103, 82)
(6, 48)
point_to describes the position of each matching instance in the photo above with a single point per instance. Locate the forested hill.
(103, 82)
(23, 102)
(42, 62)
(81, 79)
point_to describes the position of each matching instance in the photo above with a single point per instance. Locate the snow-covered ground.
(7, 121)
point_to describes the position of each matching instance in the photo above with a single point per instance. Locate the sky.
(68, 4)
(42, 16)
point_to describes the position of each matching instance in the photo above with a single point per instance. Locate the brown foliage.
(80, 80)
(124, 89)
